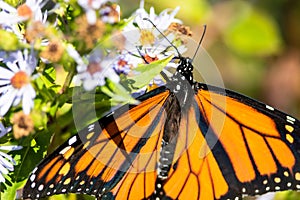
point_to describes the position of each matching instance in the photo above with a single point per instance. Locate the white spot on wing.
(290, 118)
(72, 140)
(269, 107)
(33, 185)
(32, 177)
(34, 170)
(91, 127)
(65, 150)
(41, 187)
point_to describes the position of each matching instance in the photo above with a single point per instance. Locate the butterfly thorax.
(181, 83)
(185, 68)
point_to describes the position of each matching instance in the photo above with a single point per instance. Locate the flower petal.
(13, 67)
(91, 16)
(27, 104)
(7, 7)
(6, 101)
(4, 82)
(6, 74)
(2, 179)
(10, 148)
(3, 170)
(4, 89)
(8, 165)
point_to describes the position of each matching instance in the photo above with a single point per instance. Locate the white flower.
(110, 13)
(141, 33)
(93, 73)
(161, 21)
(125, 63)
(31, 9)
(152, 44)
(90, 7)
(10, 16)
(15, 81)
(6, 161)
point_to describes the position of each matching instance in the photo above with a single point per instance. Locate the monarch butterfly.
(183, 141)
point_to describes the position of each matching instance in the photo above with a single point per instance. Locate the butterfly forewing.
(98, 157)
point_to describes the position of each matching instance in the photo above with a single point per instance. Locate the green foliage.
(145, 73)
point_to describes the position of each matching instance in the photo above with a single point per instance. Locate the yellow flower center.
(147, 37)
(19, 80)
(24, 11)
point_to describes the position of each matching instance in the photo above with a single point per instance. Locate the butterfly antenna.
(200, 42)
(179, 55)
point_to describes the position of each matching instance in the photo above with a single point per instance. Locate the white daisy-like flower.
(125, 63)
(90, 7)
(110, 13)
(15, 82)
(161, 21)
(152, 44)
(6, 161)
(93, 73)
(31, 9)
(141, 33)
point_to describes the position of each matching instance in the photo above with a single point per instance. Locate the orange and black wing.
(228, 146)
(235, 146)
(121, 146)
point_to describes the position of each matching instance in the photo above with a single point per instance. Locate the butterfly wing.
(228, 146)
(241, 147)
(96, 159)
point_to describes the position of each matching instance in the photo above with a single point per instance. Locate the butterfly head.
(185, 68)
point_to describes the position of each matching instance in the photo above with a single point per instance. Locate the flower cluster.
(49, 49)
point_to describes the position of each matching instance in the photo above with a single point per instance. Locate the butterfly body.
(185, 140)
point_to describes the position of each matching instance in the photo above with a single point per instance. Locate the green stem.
(68, 80)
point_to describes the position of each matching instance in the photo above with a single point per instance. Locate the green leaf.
(146, 72)
(117, 93)
(11, 190)
(31, 154)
